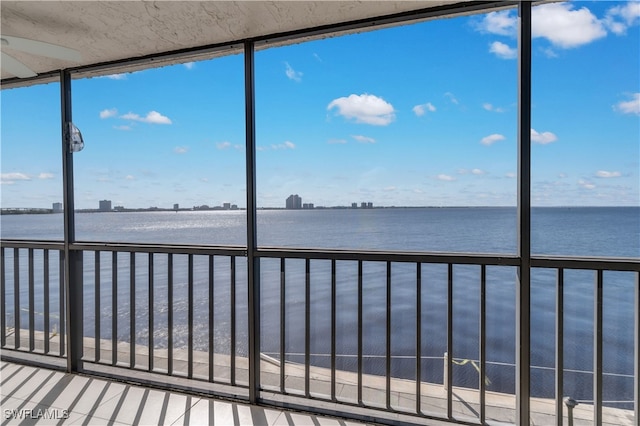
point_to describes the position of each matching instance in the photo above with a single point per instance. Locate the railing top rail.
(537, 261)
(598, 263)
(35, 244)
(228, 250)
(392, 256)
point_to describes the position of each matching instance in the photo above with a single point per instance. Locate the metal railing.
(181, 311)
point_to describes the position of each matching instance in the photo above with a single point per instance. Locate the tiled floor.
(32, 395)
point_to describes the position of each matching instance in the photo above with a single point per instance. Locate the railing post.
(73, 259)
(253, 262)
(523, 286)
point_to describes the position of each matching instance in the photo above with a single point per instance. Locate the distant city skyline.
(422, 114)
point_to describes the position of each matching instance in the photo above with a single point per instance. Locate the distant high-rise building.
(226, 206)
(354, 205)
(176, 206)
(294, 202)
(307, 206)
(363, 205)
(56, 207)
(369, 205)
(105, 205)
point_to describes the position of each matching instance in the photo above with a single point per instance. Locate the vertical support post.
(253, 262)
(523, 286)
(448, 359)
(597, 348)
(483, 342)
(3, 307)
(559, 346)
(132, 310)
(418, 338)
(73, 259)
(97, 309)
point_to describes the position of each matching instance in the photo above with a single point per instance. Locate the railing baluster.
(307, 325)
(483, 340)
(233, 321)
(283, 319)
(61, 302)
(597, 350)
(45, 290)
(211, 317)
(418, 338)
(170, 314)
(16, 296)
(97, 305)
(114, 308)
(151, 312)
(190, 318)
(333, 330)
(3, 307)
(388, 339)
(449, 341)
(32, 304)
(360, 332)
(132, 310)
(559, 347)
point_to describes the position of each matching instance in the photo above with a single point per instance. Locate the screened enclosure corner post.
(253, 262)
(73, 258)
(523, 285)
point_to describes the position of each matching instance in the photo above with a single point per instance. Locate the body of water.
(610, 232)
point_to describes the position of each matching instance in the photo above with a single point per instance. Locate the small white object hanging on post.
(76, 143)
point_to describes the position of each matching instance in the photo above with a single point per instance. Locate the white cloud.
(478, 172)
(11, 178)
(586, 184)
(180, 149)
(223, 145)
(130, 177)
(629, 107)
(445, 178)
(491, 139)
(605, 174)
(420, 110)
(124, 127)
(628, 14)
(318, 58)
(490, 107)
(189, 65)
(293, 74)
(562, 175)
(390, 188)
(501, 23)
(116, 76)
(364, 108)
(337, 141)
(152, 117)
(107, 113)
(565, 27)
(543, 138)
(511, 175)
(503, 51)
(451, 98)
(45, 176)
(561, 24)
(284, 145)
(363, 139)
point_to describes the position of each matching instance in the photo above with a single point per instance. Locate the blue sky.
(419, 115)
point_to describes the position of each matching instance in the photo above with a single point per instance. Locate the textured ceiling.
(108, 31)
